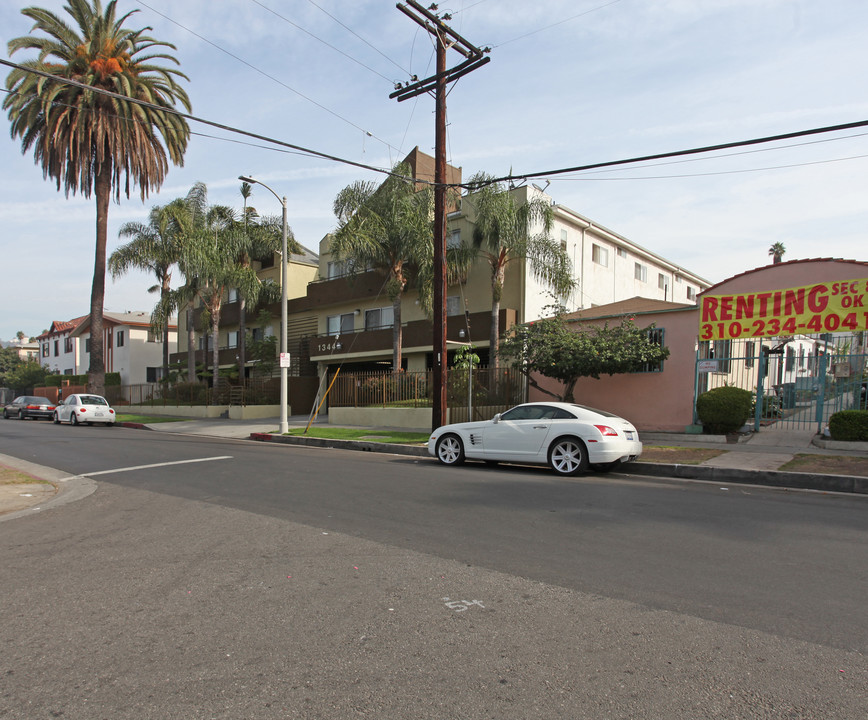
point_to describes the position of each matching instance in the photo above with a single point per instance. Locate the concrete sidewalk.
(755, 459)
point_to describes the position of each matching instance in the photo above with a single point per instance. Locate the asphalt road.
(234, 579)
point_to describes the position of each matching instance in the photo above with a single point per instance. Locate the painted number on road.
(461, 605)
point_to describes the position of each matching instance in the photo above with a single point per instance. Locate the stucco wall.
(661, 402)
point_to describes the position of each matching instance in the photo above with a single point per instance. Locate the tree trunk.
(242, 337)
(96, 370)
(494, 332)
(397, 335)
(191, 349)
(215, 350)
(164, 291)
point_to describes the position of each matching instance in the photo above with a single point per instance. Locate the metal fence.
(249, 392)
(800, 381)
(483, 387)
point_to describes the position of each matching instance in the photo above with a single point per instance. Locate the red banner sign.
(823, 308)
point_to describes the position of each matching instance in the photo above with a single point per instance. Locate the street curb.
(362, 445)
(773, 478)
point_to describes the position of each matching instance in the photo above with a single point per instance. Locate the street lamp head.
(246, 179)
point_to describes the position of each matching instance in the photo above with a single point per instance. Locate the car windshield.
(93, 400)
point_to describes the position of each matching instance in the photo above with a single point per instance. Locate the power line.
(324, 42)
(560, 22)
(349, 29)
(187, 116)
(265, 74)
(681, 153)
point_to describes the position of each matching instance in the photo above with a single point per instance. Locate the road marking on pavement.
(155, 465)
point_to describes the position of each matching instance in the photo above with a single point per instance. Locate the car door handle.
(540, 427)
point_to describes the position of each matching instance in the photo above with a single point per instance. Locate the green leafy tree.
(504, 232)
(388, 228)
(555, 349)
(88, 142)
(26, 375)
(155, 246)
(9, 362)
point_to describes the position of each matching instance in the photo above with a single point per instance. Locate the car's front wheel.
(56, 419)
(567, 456)
(450, 450)
(5, 414)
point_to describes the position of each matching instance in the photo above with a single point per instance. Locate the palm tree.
(89, 142)
(156, 247)
(503, 233)
(385, 228)
(776, 251)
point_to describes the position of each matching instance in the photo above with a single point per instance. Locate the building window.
(340, 324)
(232, 339)
(721, 350)
(801, 358)
(749, 352)
(379, 318)
(564, 240)
(662, 281)
(154, 337)
(453, 305)
(791, 360)
(335, 270)
(67, 345)
(120, 338)
(453, 239)
(46, 350)
(621, 252)
(56, 348)
(153, 374)
(655, 337)
(677, 279)
(691, 293)
(640, 272)
(233, 295)
(600, 255)
(87, 345)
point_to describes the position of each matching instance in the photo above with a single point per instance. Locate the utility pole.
(474, 57)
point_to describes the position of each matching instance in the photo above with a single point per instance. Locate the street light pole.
(284, 308)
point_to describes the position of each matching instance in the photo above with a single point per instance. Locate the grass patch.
(8, 476)
(366, 434)
(828, 464)
(678, 455)
(147, 419)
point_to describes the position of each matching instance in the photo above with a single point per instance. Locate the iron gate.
(798, 382)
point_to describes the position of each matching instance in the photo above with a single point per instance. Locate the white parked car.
(570, 438)
(84, 408)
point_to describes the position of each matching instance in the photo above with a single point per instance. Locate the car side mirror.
(496, 418)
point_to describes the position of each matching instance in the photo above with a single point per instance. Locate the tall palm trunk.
(397, 335)
(96, 369)
(215, 349)
(494, 331)
(242, 337)
(191, 342)
(165, 289)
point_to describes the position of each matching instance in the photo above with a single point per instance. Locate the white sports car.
(570, 438)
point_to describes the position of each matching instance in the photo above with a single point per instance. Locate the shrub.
(849, 425)
(724, 409)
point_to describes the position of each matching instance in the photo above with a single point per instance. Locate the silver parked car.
(29, 406)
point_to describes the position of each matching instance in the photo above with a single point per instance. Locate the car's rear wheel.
(56, 419)
(567, 456)
(73, 419)
(450, 450)
(22, 415)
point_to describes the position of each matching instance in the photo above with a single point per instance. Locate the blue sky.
(570, 82)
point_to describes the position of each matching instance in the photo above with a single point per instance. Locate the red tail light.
(83, 410)
(606, 431)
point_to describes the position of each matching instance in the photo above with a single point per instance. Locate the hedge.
(724, 410)
(849, 425)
